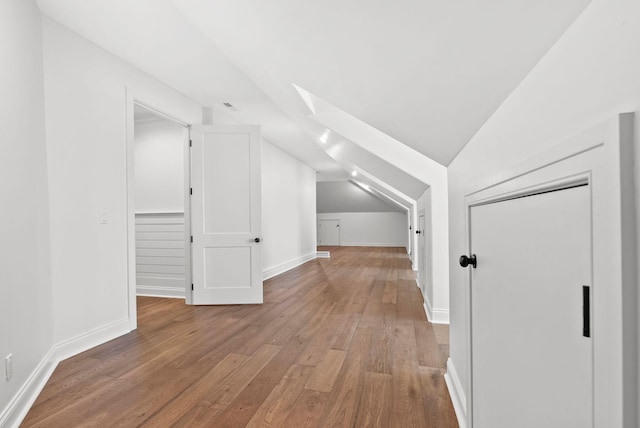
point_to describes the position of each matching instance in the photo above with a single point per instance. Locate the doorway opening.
(159, 204)
(158, 213)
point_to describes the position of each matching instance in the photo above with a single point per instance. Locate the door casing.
(422, 266)
(601, 157)
(133, 98)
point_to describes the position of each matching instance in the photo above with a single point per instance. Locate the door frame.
(602, 158)
(422, 266)
(132, 99)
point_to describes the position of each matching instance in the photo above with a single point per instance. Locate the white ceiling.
(427, 73)
(156, 38)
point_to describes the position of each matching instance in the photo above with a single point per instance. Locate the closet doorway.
(159, 181)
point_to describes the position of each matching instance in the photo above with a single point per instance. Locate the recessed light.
(354, 173)
(325, 137)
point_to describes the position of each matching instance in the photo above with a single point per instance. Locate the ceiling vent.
(230, 106)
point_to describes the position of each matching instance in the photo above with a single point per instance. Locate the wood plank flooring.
(339, 342)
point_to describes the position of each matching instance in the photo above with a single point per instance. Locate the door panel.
(225, 210)
(531, 365)
(227, 183)
(220, 267)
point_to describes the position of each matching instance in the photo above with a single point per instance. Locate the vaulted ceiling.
(424, 74)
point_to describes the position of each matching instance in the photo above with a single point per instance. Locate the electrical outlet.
(8, 367)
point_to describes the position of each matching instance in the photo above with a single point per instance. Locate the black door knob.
(256, 240)
(466, 261)
(418, 232)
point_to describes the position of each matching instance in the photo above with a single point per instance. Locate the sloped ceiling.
(155, 37)
(346, 196)
(427, 74)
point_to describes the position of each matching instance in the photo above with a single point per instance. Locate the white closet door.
(329, 232)
(531, 364)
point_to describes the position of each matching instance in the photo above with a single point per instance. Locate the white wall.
(592, 73)
(159, 166)
(86, 142)
(346, 196)
(436, 299)
(370, 229)
(25, 290)
(288, 211)
(64, 274)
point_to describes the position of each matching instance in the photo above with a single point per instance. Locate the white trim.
(131, 208)
(188, 271)
(154, 291)
(132, 98)
(427, 311)
(282, 268)
(160, 113)
(74, 346)
(323, 255)
(435, 316)
(599, 156)
(456, 392)
(14, 413)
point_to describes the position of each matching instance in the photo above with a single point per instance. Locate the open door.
(226, 215)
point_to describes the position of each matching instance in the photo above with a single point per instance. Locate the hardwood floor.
(338, 342)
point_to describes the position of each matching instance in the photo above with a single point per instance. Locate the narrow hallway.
(342, 341)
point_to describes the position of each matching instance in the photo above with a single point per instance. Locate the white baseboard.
(156, 281)
(323, 255)
(81, 343)
(456, 392)
(19, 406)
(282, 268)
(435, 316)
(153, 291)
(372, 244)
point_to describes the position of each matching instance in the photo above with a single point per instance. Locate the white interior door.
(329, 232)
(531, 364)
(226, 215)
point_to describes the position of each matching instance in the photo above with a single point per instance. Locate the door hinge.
(190, 143)
(191, 287)
(191, 190)
(191, 238)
